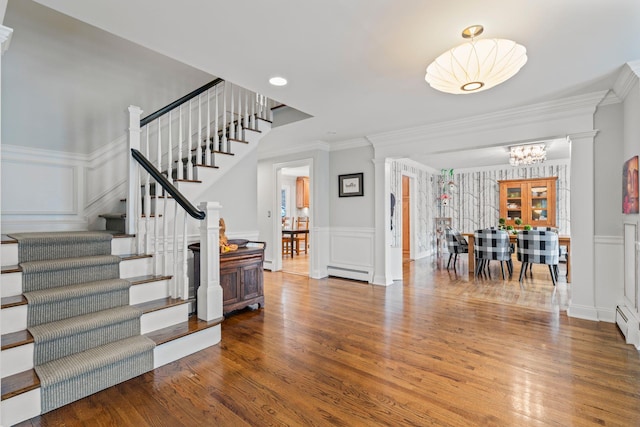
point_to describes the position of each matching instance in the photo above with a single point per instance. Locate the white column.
(5, 39)
(134, 142)
(382, 250)
(583, 290)
(210, 292)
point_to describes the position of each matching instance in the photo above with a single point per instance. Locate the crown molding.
(567, 107)
(626, 79)
(610, 99)
(349, 144)
(5, 38)
(304, 148)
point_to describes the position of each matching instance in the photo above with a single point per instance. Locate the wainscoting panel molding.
(351, 253)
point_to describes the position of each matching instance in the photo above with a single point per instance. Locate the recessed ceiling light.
(278, 81)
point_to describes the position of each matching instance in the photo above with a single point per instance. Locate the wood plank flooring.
(435, 349)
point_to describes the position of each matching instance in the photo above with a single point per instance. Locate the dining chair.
(456, 244)
(538, 247)
(492, 244)
(302, 223)
(286, 241)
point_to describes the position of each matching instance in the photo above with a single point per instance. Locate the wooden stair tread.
(134, 256)
(205, 166)
(11, 269)
(159, 304)
(19, 383)
(239, 140)
(138, 280)
(180, 330)
(16, 339)
(13, 301)
(8, 240)
(187, 180)
(22, 382)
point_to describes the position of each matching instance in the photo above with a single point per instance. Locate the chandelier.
(476, 65)
(527, 154)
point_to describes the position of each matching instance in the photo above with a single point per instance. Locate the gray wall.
(351, 211)
(236, 191)
(79, 81)
(608, 170)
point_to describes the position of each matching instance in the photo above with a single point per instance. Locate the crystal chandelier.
(527, 154)
(475, 66)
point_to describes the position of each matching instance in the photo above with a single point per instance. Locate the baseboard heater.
(622, 321)
(349, 273)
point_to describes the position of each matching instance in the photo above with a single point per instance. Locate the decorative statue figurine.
(225, 246)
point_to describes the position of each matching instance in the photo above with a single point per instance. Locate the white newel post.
(210, 292)
(134, 142)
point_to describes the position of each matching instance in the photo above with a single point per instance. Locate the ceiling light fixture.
(527, 154)
(476, 65)
(278, 81)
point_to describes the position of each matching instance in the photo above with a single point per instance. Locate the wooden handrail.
(167, 185)
(151, 117)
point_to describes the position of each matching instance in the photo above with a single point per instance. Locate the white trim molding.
(351, 253)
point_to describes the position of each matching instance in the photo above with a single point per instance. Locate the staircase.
(85, 316)
(161, 326)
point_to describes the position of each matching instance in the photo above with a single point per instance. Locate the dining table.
(292, 233)
(562, 241)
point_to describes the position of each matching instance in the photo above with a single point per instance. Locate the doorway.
(295, 208)
(406, 219)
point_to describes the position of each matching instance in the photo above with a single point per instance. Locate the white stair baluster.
(245, 121)
(253, 111)
(199, 141)
(147, 198)
(207, 152)
(175, 280)
(184, 293)
(180, 140)
(189, 147)
(216, 129)
(232, 127)
(223, 142)
(239, 115)
(156, 210)
(165, 249)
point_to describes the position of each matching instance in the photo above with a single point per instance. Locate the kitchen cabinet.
(302, 192)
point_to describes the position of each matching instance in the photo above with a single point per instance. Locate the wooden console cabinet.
(532, 200)
(240, 276)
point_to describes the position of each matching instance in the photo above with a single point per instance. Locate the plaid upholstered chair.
(456, 244)
(491, 244)
(538, 247)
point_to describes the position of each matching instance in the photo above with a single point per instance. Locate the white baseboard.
(21, 407)
(176, 349)
(349, 273)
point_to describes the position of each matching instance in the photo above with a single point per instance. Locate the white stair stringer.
(192, 191)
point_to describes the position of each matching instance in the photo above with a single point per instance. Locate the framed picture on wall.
(630, 186)
(350, 185)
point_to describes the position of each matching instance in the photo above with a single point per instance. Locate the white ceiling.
(358, 66)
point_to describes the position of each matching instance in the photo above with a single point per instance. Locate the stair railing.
(181, 137)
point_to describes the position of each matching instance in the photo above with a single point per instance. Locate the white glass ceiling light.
(476, 65)
(527, 154)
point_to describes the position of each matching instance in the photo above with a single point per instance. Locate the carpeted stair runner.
(71, 378)
(86, 336)
(47, 246)
(50, 305)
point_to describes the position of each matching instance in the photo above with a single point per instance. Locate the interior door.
(406, 218)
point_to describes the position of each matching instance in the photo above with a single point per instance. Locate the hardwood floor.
(299, 264)
(435, 349)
